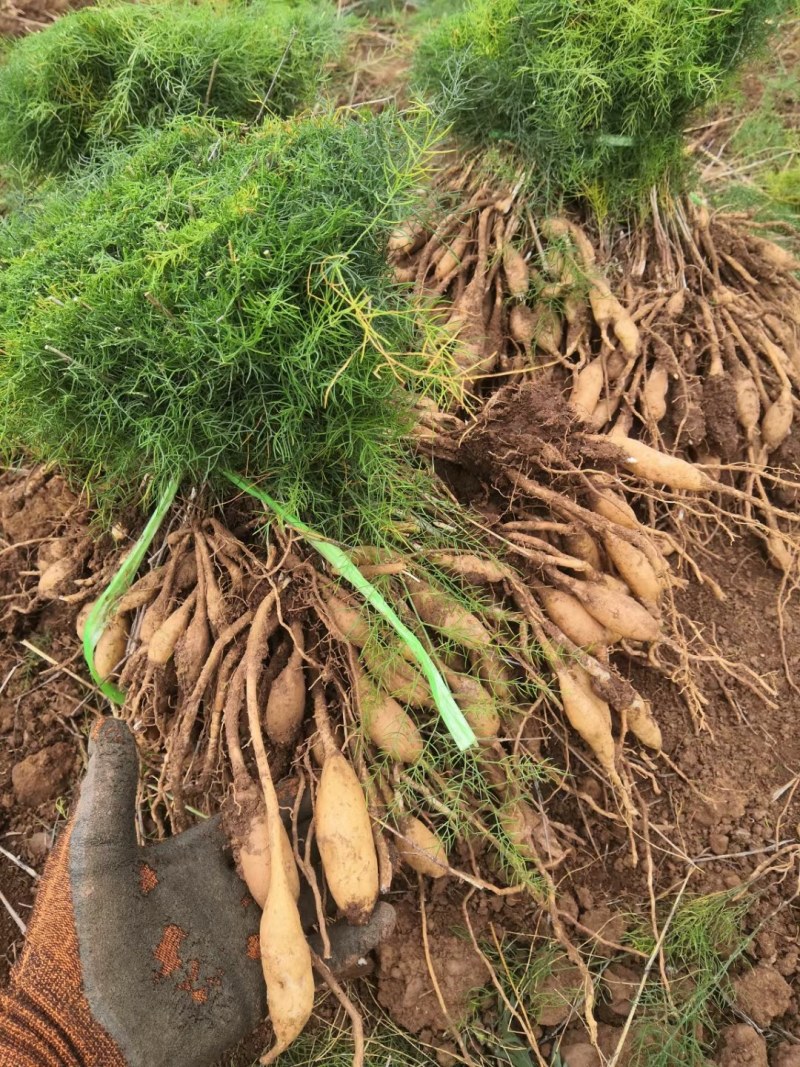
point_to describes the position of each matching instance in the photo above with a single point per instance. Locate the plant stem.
(119, 584)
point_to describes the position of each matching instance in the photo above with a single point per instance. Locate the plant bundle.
(256, 677)
(217, 301)
(592, 97)
(95, 76)
(673, 387)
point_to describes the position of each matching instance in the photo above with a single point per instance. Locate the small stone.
(607, 924)
(38, 845)
(718, 843)
(582, 1055)
(622, 983)
(785, 1055)
(43, 775)
(741, 1046)
(762, 994)
(558, 995)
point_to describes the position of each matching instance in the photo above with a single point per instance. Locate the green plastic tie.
(119, 584)
(452, 715)
(615, 140)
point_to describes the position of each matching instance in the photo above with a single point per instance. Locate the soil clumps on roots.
(524, 426)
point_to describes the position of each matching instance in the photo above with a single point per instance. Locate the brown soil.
(524, 427)
(722, 428)
(44, 703)
(733, 801)
(405, 985)
(720, 807)
(18, 17)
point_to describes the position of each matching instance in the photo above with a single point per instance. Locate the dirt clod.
(404, 983)
(607, 924)
(519, 426)
(608, 1038)
(719, 843)
(621, 983)
(722, 427)
(763, 994)
(582, 1055)
(558, 995)
(43, 775)
(741, 1046)
(785, 1055)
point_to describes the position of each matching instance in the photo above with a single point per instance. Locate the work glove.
(139, 957)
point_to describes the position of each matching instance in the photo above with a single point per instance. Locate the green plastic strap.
(119, 584)
(615, 140)
(452, 715)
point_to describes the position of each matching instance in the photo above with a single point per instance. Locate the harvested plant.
(97, 76)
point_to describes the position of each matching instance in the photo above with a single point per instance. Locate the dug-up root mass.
(689, 363)
(230, 650)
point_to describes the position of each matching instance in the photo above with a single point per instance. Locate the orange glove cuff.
(45, 1019)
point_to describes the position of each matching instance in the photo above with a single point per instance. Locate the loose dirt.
(25, 16)
(46, 702)
(741, 1046)
(405, 984)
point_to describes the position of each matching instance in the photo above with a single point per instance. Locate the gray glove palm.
(145, 957)
(167, 934)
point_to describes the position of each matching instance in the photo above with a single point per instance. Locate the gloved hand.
(145, 957)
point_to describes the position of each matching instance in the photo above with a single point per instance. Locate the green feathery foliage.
(211, 301)
(705, 939)
(592, 95)
(98, 74)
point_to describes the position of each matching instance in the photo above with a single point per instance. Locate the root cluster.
(694, 351)
(641, 418)
(325, 682)
(323, 679)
